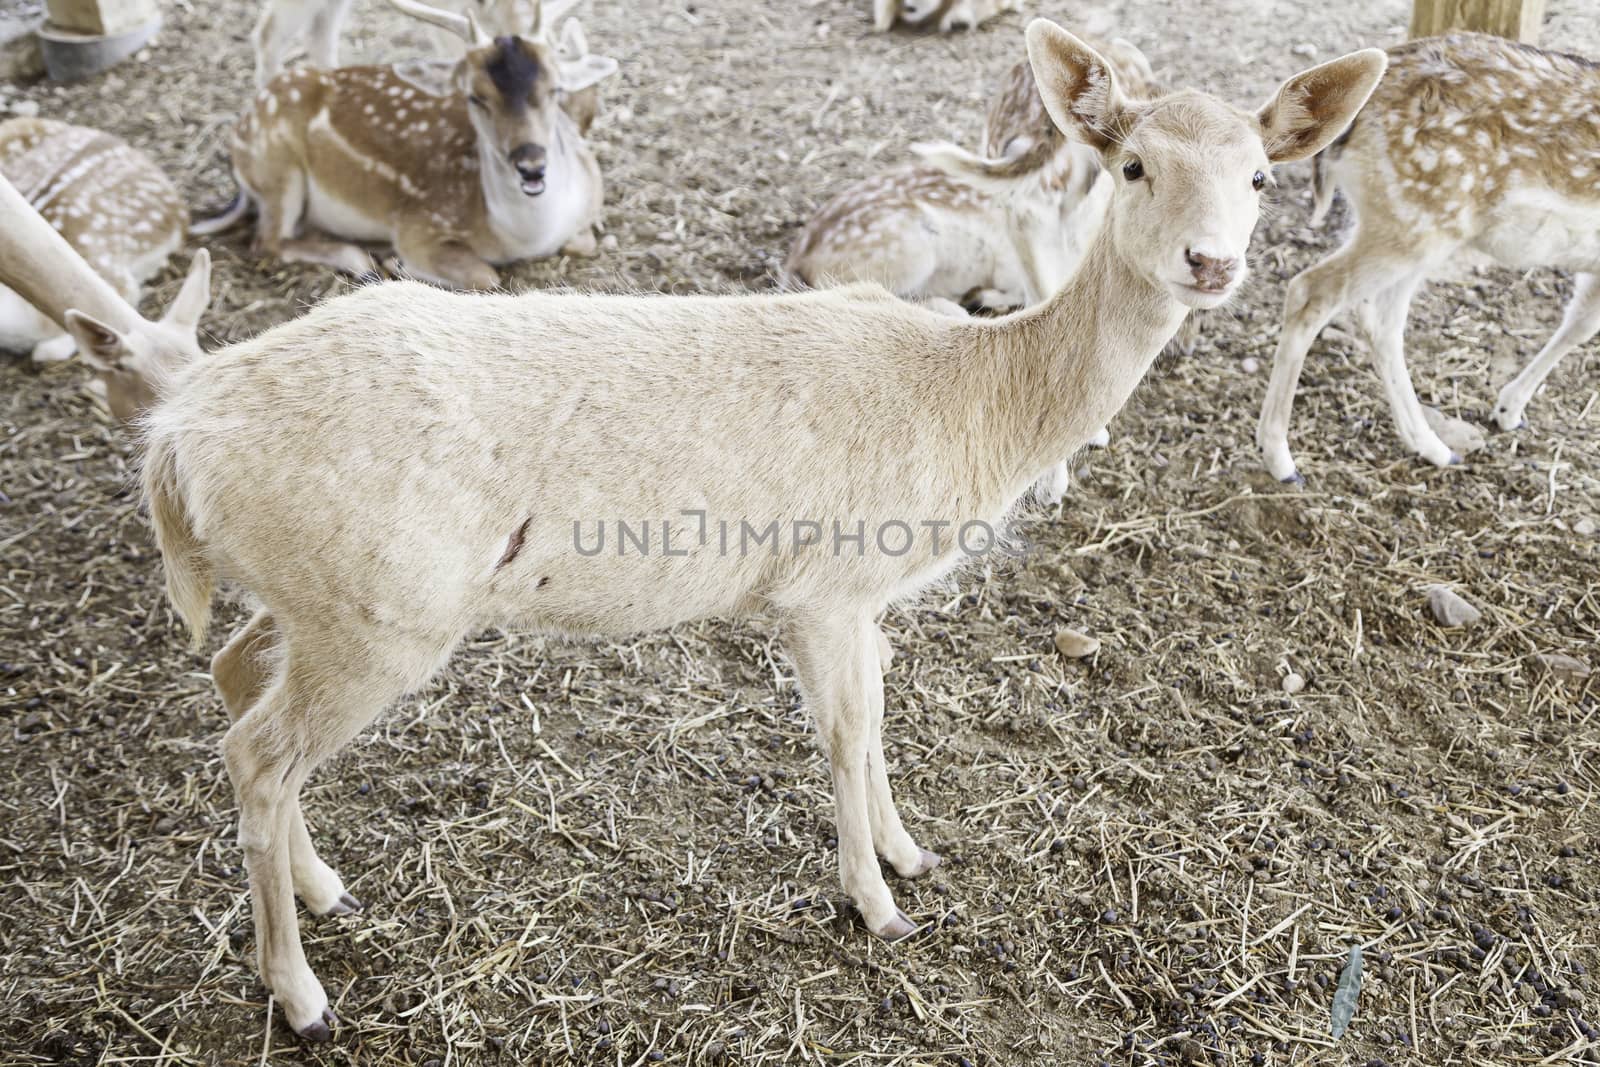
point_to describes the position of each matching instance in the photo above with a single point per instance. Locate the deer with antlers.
(456, 166)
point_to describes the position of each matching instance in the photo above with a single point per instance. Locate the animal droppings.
(1073, 645)
(1449, 609)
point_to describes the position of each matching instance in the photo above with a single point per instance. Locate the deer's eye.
(1258, 181)
(1133, 170)
(477, 101)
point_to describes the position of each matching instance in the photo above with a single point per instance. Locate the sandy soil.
(621, 853)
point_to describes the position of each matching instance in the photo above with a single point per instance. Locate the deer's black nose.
(529, 159)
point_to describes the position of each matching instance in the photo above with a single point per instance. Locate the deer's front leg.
(837, 660)
(447, 263)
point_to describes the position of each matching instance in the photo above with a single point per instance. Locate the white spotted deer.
(456, 166)
(992, 232)
(946, 15)
(110, 201)
(404, 432)
(42, 276)
(1472, 144)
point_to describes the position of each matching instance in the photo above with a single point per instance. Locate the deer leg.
(1385, 323)
(1579, 323)
(1314, 297)
(889, 835)
(241, 671)
(446, 263)
(1053, 485)
(836, 659)
(323, 44)
(342, 256)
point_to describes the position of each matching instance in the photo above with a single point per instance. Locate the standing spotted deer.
(993, 232)
(457, 166)
(284, 23)
(403, 434)
(111, 203)
(133, 357)
(1472, 144)
(945, 15)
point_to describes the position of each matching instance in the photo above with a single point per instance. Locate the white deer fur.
(133, 357)
(1472, 144)
(997, 231)
(284, 23)
(458, 166)
(413, 461)
(947, 15)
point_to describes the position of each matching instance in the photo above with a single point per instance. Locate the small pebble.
(1305, 49)
(1073, 645)
(1584, 527)
(1564, 665)
(609, 242)
(1250, 364)
(1293, 683)
(1449, 609)
(25, 109)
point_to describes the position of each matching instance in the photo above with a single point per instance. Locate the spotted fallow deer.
(457, 166)
(1472, 144)
(133, 357)
(438, 470)
(945, 15)
(111, 203)
(991, 232)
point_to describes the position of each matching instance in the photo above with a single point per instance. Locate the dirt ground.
(621, 853)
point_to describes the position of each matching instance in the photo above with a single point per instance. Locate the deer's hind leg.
(328, 687)
(241, 671)
(1579, 323)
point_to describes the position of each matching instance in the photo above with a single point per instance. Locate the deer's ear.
(100, 346)
(436, 77)
(192, 299)
(579, 74)
(1077, 86)
(1312, 108)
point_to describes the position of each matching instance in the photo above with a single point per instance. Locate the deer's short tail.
(237, 209)
(190, 574)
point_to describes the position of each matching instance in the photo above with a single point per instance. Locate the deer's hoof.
(347, 905)
(897, 928)
(320, 1029)
(1296, 479)
(926, 861)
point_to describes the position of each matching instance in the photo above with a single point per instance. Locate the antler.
(463, 26)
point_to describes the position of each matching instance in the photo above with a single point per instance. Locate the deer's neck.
(527, 227)
(1058, 372)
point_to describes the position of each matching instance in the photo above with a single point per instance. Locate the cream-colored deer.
(457, 166)
(111, 203)
(1472, 144)
(947, 15)
(284, 23)
(993, 232)
(447, 482)
(133, 357)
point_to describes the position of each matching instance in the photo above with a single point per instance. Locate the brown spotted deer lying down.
(1472, 144)
(111, 203)
(457, 167)
(416, 461)
(946, 15)
(133, 357)
(998, 231)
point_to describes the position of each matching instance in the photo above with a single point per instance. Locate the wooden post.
(101, 18)
(1517, 19)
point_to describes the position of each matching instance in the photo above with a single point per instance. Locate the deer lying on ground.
(1471, 144)
(992, 232)
(111, 203)
(947, 15)
(408, 474)
(284, 23)
(132, 356)
(457, 167)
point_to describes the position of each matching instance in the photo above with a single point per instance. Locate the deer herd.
(413, 459)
